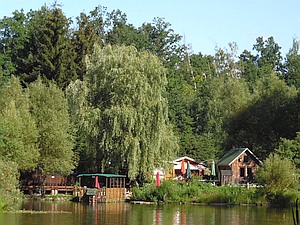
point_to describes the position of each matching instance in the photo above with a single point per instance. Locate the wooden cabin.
(237, 166)
(101, 187)
(33, 183)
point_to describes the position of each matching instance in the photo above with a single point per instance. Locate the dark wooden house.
(34, 183)
(237, 166)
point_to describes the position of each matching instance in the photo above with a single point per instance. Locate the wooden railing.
(101, 194)
(42, 189)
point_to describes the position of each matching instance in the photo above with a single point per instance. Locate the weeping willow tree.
(121, 109)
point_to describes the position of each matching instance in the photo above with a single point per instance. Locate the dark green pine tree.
(291, 72)
(51, 54)
(90, 31)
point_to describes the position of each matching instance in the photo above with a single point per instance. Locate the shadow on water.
(70, 213)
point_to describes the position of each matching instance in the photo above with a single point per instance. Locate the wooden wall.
(245, 162)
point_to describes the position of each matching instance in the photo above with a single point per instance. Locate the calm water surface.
(69, 213)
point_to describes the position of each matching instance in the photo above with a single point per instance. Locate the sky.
(204, 24)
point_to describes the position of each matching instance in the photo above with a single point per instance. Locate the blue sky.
(205, 24)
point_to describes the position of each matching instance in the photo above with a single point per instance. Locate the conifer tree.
(50, 52)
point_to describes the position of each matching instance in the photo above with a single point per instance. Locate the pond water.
(70, 213)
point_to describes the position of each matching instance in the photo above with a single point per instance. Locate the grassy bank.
(197, 192)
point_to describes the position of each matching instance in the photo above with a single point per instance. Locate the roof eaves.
(245, 149)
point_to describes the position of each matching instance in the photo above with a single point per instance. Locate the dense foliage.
(109, 96)
(278, 181)
(10, 197)
(195, 191)
(124, 111)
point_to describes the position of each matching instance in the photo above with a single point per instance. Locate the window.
(249, 172)
(242, 172)
(246, 158)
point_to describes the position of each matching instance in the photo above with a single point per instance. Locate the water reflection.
(68, 213)
(207, 215)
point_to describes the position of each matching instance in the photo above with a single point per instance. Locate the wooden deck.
(31, 189)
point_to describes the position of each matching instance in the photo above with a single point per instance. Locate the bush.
(198, 192)
(10, 196)
(280, 177)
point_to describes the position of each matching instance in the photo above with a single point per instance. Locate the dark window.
(242, 172)
(246, 158)
(249, 172)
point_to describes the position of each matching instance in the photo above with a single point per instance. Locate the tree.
(224, 62)
(50, 53)
(90, 31)
(218, 100)
(161, 40)
(10, 196)
(50, 111)
(271, 114)
(18, 132)
(268, 56)
(290, 149)
(13, 37)
(249, 69)
(79, 112)
(127, 113)
(120, 32)
(292, 66)
(278, 181)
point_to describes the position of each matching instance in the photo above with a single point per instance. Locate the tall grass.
(198, 192)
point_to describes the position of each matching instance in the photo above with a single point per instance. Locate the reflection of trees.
(172, 214)
(203, 215)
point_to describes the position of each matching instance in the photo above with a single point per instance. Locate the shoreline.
(199, 203)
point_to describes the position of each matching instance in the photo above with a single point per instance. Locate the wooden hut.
(34, 183)
(237, 166)
(101, 187)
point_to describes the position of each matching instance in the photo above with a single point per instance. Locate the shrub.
(280, 176)
(198, 192)
(10, 196)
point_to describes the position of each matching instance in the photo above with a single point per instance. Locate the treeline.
(98, 94)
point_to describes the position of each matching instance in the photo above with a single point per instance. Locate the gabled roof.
(108, 175)
(233, 154)
(186, 158)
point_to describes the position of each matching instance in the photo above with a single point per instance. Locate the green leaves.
(18, 132)
(127, 115)
(50, 111)
(10, 196)
(279, 174)
(290, 149)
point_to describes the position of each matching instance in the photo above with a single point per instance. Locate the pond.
(70, 213)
